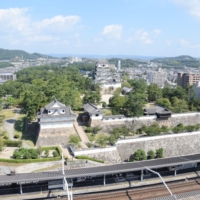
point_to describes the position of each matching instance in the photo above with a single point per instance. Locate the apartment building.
(184, 79)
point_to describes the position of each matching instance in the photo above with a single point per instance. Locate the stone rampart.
(57, 136)
(137, 122)
(186, 119)
(173, 144)
(109, 155)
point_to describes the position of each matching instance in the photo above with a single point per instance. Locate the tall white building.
(158, 77)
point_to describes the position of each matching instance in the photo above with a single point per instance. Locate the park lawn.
(8, 113)
(107, 112)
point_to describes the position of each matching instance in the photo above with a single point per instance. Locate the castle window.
(49, 111)
(97, 115)
(63, 110)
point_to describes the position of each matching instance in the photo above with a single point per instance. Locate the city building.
(158, 77)
(6, 76)
(197, 89)
(184, 79)
(55, 115)
(106, 75)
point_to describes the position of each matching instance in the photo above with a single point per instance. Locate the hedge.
(89, 158)
(57, 148)
(30, 160)
(10, 143)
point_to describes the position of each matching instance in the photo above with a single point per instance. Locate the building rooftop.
(91, 108)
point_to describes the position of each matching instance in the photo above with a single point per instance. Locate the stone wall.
(174, 120)
(56, 136)
(83, 164)
(109, 155)
(186, 120)
(173, 144)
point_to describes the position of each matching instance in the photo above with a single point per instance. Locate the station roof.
(108, 169)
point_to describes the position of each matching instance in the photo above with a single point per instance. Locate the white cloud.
(192, 6)
(22, 28)
(157, 32)
(112, 31)
(57, 23)
(184, 42)
(143, 37)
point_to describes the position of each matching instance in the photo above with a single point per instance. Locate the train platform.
(119, 184)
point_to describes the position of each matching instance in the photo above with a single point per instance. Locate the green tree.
(138, 155)
(154, 92)
(139, 86)
(164, 102)
(134, 106)
(150, 154)
(179, 105)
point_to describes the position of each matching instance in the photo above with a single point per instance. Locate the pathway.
(82, 134)
(9, 125)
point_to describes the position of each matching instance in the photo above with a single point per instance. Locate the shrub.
(150, 154)
(88, 130)
(104, 104)
(29, 160)
(46, 153)
(74, 139)
(89, 158)
(138, 155)
(16, 136)
(34, 153)
(10, 143)
(39, 150)
(17, 154)
(55, 154)
(89, 144)
(159, 153)
(27, 155)
(5, 137)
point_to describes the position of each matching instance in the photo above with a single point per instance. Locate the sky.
(102, 27)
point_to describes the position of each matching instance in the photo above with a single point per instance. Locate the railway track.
(143, 193)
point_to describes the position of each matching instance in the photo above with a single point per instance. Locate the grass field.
(19, 129)
(8, 113)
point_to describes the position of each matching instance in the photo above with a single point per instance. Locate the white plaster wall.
(60, 125)
(93, 117)
(92, 151)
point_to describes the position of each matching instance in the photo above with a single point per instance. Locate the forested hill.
(179, 61)
(10, 54)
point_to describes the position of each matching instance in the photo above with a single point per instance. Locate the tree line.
(177, 99)
(37, 86)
